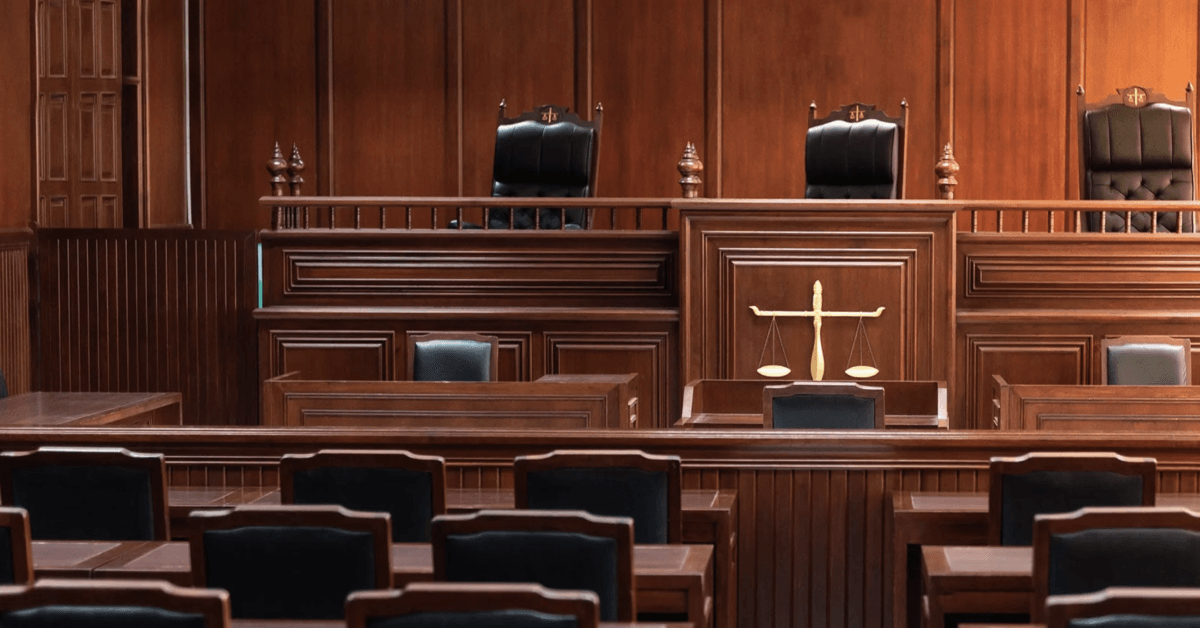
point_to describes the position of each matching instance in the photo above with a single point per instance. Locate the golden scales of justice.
(818, 355)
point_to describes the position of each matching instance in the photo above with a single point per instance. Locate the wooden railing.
(1023, 217)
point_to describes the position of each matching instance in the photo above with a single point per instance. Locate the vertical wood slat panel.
(152, 311)
(16, 356)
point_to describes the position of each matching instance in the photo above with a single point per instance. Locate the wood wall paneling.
(259, 88)
(651, 355)
(1019, 358)
(1010, 87)
(779, 56)
(151, 311)
(17, 83)
(1127, 42)
(16, 349)
(332, 354)
(165, 114)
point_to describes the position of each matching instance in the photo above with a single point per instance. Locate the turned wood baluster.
(276, 166)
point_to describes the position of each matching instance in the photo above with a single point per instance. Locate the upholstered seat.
(290, 562)
(410, 488)
(823, 405)
(471, 605)
(101, 494)
(1051, 482)
(112, 604)
(1145, 361)
(609, 483)
(855, 152)
(1137, 146)
(452, 357)
(554, 548)
(1094, 548)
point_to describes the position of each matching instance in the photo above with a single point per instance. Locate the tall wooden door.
(79, 113)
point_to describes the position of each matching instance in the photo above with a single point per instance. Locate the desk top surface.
(55, 409)
(920, 502)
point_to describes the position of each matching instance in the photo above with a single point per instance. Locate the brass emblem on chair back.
(1134, 96)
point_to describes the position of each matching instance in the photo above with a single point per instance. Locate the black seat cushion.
(1136, 621)
(859, 160)
(278, 572)
(556, 560)
(90, 616)
(612, 492)
(406, 495)
(813, 412)
(101, 503)
(476, 619)
(1147, 364)
(452, 361)
(1092, 560)
(1024, 495)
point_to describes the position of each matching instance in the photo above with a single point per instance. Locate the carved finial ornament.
(945, 170)
(276, 166)
(295, 168)
(690, 167)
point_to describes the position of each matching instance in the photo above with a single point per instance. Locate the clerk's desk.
(1072, 408)
(738, 403)
(917, 519)
(59, 409)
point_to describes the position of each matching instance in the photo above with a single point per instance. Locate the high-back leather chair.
(1092, 549)
(611, 483)
(559, 549)
(109, 603)
(290, 562)
(88, 493)
(1126, 607)
(410, 488)
(855, 152)
(823, 405)
(547, 152)
(1136, 145)
(1048, 482)
(473, 605)
(452, 357)
(1145, 361)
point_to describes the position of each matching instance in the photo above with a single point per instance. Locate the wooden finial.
(945, 170)
(276, 166)
(690, 167)
(295, 167)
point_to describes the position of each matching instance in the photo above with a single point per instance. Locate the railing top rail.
(459, 201)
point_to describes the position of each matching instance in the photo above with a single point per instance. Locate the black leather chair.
(1052, 482)
(1126, 607)
(823, 405)
(558, 549)
(547, 152)
(1137, 145)
(3, 386)
(855, 152)
(112, 604)
(610, 483)
(1092, 549)
(1146, 361)
(99, 494)
(460, 605)
(290, 562)
(452, 357)
(410, 488)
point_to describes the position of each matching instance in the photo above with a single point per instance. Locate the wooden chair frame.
(1130, 97)
(464, 597)
(1063, 461)
(213, 604)
(1155, 601)
(378, 524)
(1118, 341)
(16, 520)
(435, 466)
(154, 464)
(1045, 526)
(859, 111)
(619, 529)
(603, 459)
(413, 339)
(821, 388)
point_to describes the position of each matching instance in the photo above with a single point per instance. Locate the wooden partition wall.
(16, 339)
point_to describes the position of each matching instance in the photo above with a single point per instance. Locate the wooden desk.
(919, 518)
(1094, 408)
(669, 578)
(708, 518)
(563, 402)
(738, 403)
(975, 579)
(58, 409)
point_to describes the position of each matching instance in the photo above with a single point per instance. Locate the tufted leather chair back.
(546, 152)
(1137, 147)
(855, 152)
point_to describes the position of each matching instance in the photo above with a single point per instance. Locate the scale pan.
(862, 371)
(773, 370)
